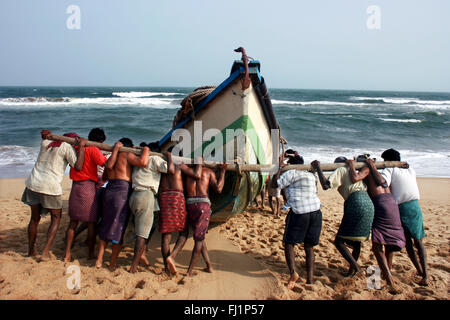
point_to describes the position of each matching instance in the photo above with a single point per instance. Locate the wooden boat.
(240, 102)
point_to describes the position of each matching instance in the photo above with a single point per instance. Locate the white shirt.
(403, 184)
(48, 171)
(149, 176)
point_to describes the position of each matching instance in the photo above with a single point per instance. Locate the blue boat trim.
(234, 75)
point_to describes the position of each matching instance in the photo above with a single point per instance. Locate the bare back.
(172, 181)
(200, 187)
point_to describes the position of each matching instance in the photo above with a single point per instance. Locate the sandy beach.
(246, 252)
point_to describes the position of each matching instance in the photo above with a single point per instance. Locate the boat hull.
(232, 127)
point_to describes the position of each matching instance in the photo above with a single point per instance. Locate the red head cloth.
(56, 144)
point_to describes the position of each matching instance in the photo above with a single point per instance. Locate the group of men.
(382, 204)
(128, 188)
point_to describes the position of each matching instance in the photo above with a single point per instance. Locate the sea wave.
(324, 102)
(402, 100)
(401, 120)
(138, 94)
(69, 101)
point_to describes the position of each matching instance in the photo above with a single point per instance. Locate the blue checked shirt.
(301, 190)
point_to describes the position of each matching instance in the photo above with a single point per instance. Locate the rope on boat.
(188, 104)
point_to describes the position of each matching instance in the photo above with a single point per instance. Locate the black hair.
(340, 159)
(97, 134)
(142, 144)
(126, 142)
(362, 157)
(154, 146)
(296, 160)
(391, 155)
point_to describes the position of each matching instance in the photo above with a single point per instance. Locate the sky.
(324, 44)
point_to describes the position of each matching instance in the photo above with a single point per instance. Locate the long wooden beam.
(232, 166)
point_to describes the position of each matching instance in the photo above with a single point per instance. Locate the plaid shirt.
(301, 190)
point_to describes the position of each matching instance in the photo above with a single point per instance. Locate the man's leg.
(83, 226)
(51, 232)
(263, 195)
(412, 254)
(389, 253)
(101, 251)
(278, 212)
(195, 253)
(205, 256)
(139, 249)
(271, 204)
(91, 239)
(290, 261)
(343, 250)
(116, 248)
(165, 248)
(69, 239)
(309, 250)
(377, 249)
(181, 241)
(33, 228)
(423, 261)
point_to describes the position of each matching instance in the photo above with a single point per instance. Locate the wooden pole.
(232, 166)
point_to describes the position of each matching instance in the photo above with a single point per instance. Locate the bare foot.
(292, 280)
(46, 257)
(133, 269)
(98, 264)
(171, 265)
(112, 266)
(192, 273)
(67, 258)
(144, 261)
(423, 282)
(32, 253)
(352, 272)
(208, 269)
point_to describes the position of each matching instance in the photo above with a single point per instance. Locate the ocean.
(319, 124)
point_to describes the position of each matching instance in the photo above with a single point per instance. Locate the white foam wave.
(66, 101)
(403, 100)
(138, 94)
(401, 120)
(325, 102)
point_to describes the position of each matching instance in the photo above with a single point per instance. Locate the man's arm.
(109, 164)
(323, 181)
(356, 176)
(81, 142)
(141, 161)
(196, 173)
(217, 184)
(379, 180)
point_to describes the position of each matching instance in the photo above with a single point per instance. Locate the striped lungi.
(172, 214)
(83, 202)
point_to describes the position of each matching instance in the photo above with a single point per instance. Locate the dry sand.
(246, 252)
